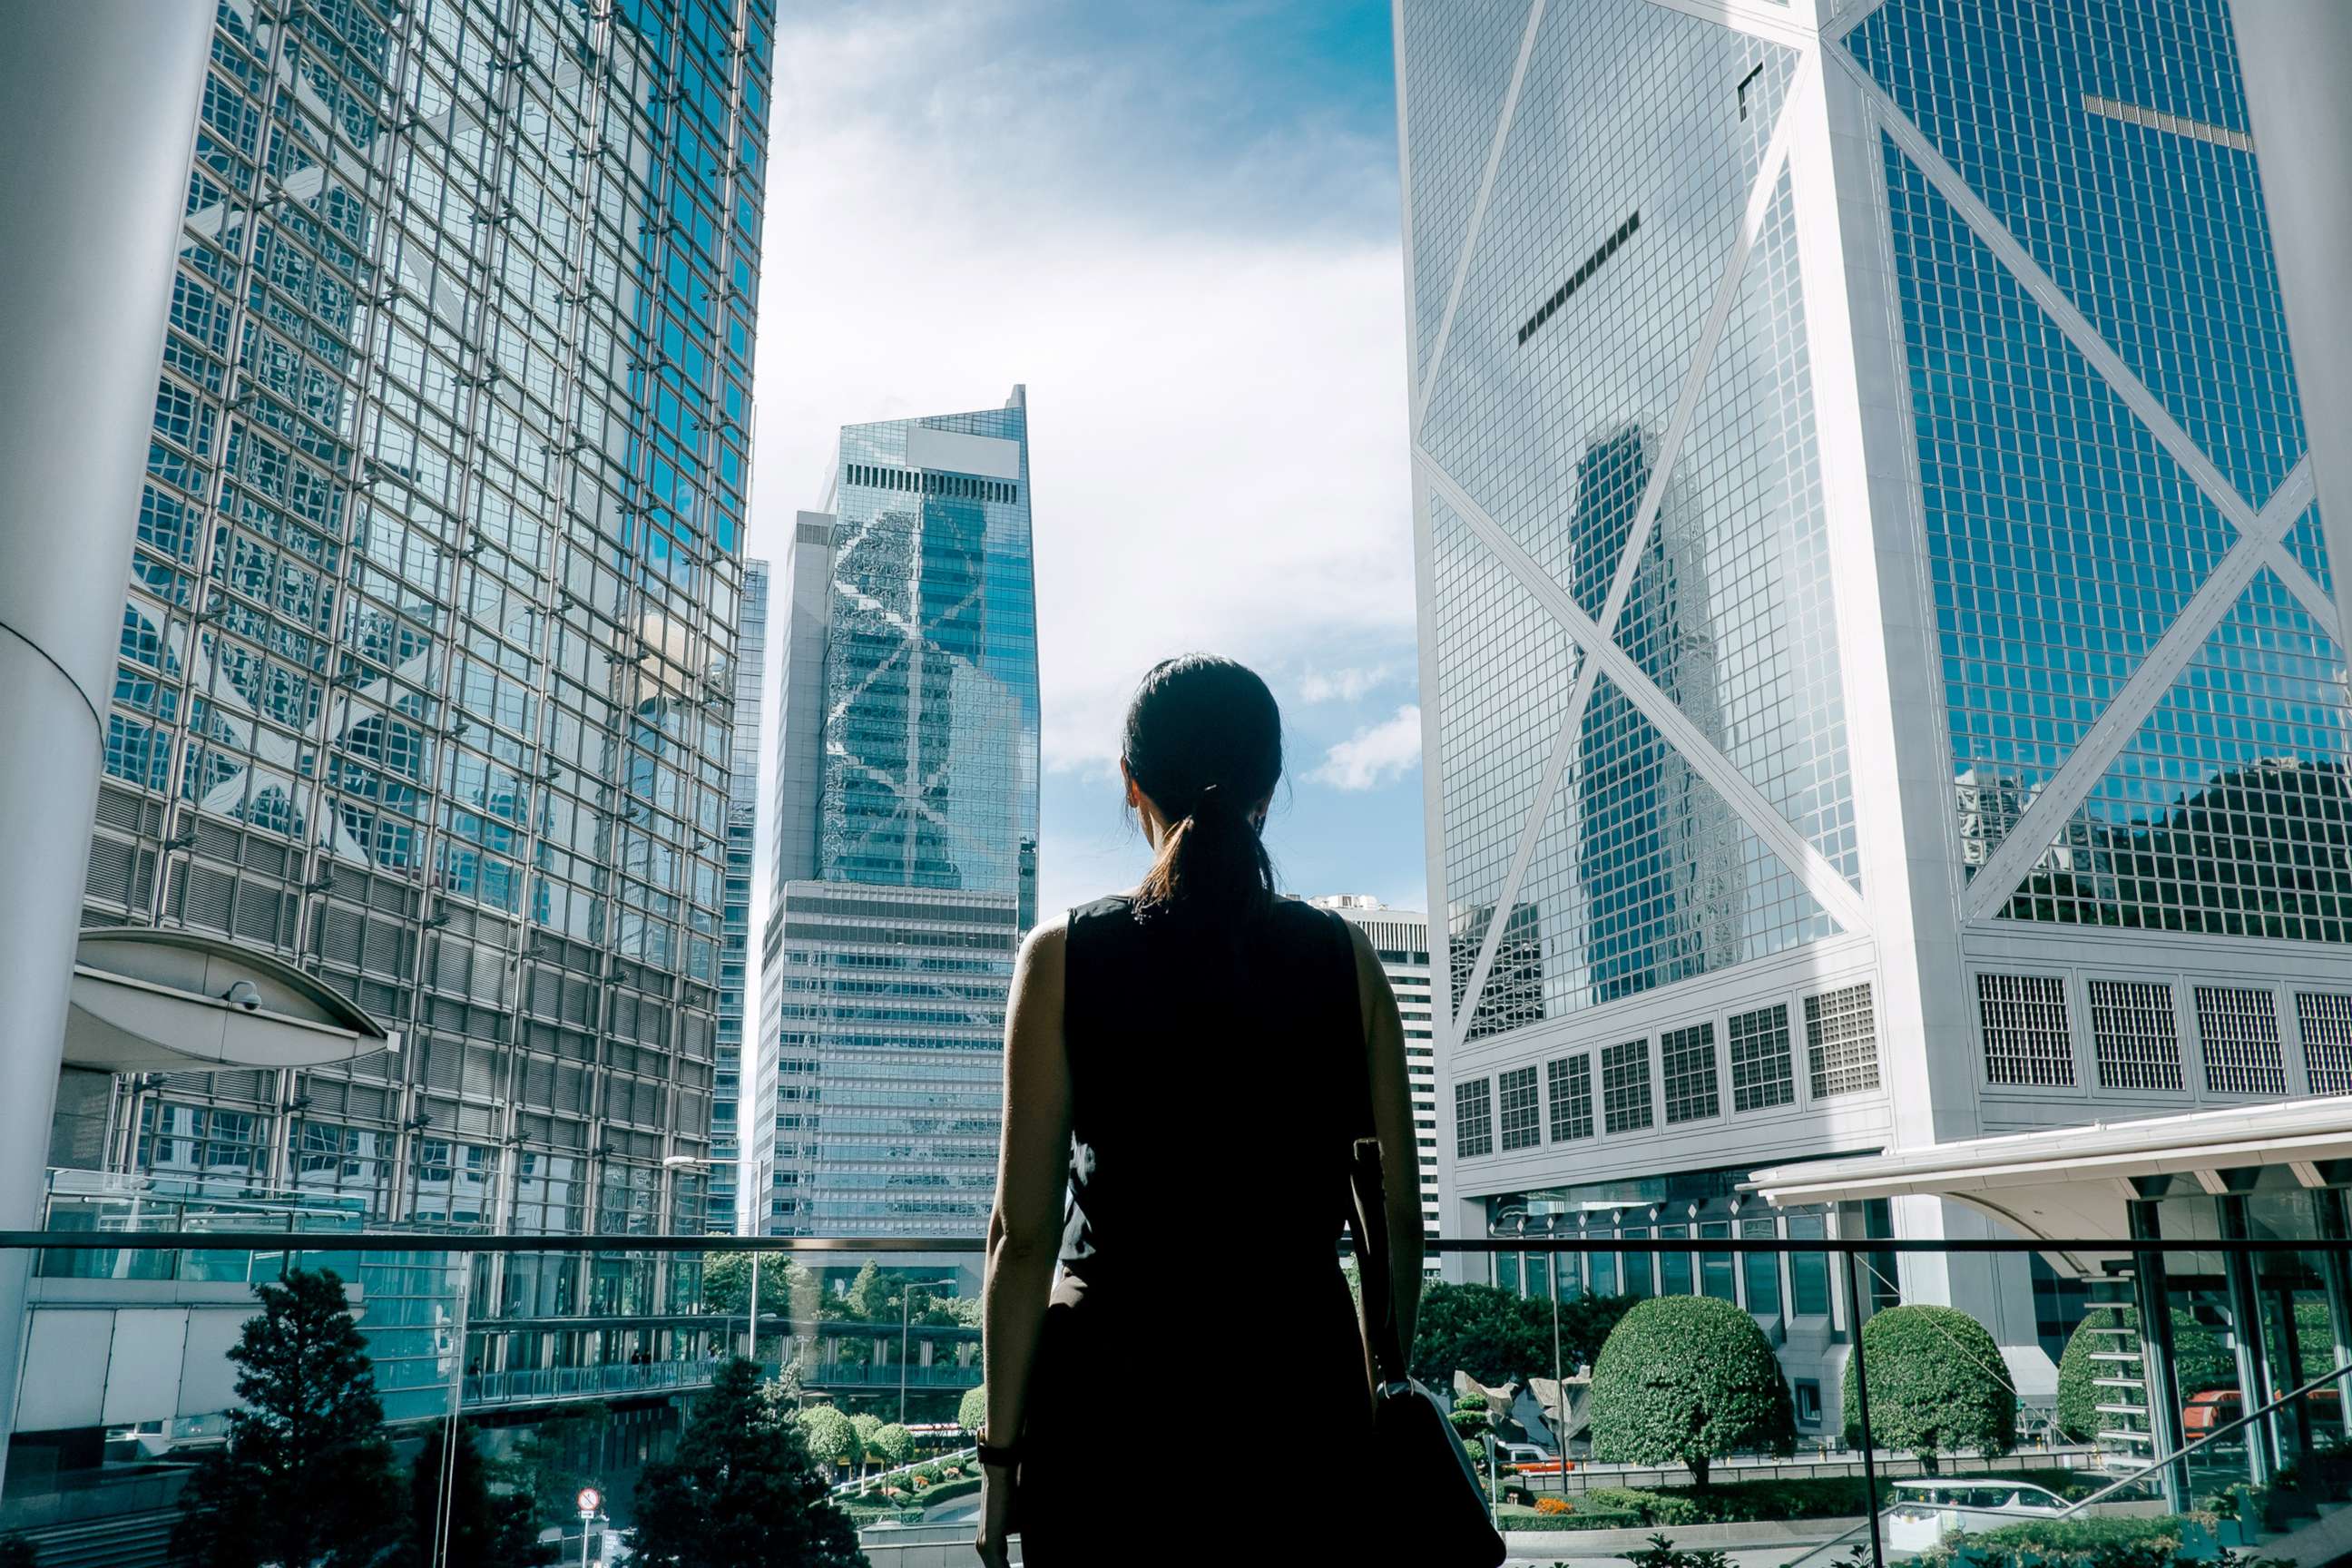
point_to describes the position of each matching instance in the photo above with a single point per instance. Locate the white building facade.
(1401, 937)
(1882, 683)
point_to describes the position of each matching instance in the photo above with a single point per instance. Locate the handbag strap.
(1369, 1222)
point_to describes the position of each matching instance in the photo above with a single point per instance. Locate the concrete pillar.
(97, 111)
(2158, 1363)
(2295, 56)
(2246, 1329)
(2335, 1269)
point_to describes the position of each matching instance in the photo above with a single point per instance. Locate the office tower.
(1401, 937)
(906, 826)
(740, 1163)
(430, 642)
(1876, 634)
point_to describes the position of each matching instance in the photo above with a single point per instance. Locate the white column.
(97, 111)
(2295, 56)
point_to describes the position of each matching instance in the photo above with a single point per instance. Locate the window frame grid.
(2250, 1054)
(1618, 1110)
(1755, 1084)
(1473, 1119)
(1518, 1109)
(1835, 1046)
(2324, 1024)
(2016, 1043)
(1568, 1081)
(2121, 1058)
(1690, 1074)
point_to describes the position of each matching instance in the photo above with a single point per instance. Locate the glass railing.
(483, 1386)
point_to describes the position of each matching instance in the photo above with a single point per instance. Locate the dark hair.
(1205, 740)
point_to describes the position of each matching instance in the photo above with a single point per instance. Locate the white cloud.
(1374, 754)
(1216, 406)
(1346, 685)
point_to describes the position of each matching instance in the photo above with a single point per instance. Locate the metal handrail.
(866, 1483)
(699, 1241)
(2334, 1374)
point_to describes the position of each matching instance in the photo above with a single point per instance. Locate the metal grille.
(1625, 1085)
(1761, 1073)
(1570, 1081)
(1521, 1114)
(2133, 1034)
(1842, 1042)
(2326, 1020)
(2239, 1032)
(2026, 1036)
(1688, 1063)
(1474, 1120)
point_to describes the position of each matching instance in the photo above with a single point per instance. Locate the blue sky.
(1176, 221)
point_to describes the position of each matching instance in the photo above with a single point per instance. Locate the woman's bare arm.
(1024, 1229)
(1392, 1119)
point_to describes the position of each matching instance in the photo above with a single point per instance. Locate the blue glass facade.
(2070, 542)
(908, 761)
(1681, 517)
(430, 639)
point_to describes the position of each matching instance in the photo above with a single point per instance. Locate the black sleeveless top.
(1217, 1081)
(1212, 1079)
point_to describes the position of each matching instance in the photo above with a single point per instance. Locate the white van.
(1924, 1512)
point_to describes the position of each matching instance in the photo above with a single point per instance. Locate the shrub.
(2063, 1542)
(893, 1444)
(1554, 1505)
(831, 1437)
(2199, 1361)
(973, 1411)
(1497, 1336)
(1936, 1385)
(1687, 1379)
(1662, 1553)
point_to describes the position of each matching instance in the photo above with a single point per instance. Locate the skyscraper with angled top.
(907, 774)
(1877, 638)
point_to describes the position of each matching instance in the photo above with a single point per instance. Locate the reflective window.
(1761, 1073)
(1522, 1121)
(1570, 1080)
(2325, 1018)
(1625, 1085)
(1474, 1120)
(1687, 1060)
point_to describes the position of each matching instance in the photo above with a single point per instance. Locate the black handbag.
(1433, 1514)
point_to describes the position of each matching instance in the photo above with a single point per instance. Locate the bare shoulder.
(1044, 946)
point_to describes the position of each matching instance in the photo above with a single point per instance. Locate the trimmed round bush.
(1688, 1380)
(1936, 1385)
(831, 1437)
(892, 1444)
(973, 1411)
(2198, 1362)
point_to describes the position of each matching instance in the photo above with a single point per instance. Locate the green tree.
(871, 1297)
(865, 1425)
(742, 1492)
(830, 1436)
(2198, 1359)
(1497, 1336)
(491, 1522)
(1936, 1385)
(727, 1283)
(306, 1479)
(1687, 1379)
(558, 1457)
(893, 1444)
(973, 1411)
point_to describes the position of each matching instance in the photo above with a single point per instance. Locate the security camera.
(244, 994)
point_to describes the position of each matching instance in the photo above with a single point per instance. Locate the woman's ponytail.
(1205, 740)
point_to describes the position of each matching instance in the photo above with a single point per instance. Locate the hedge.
(2199, 1361)
(1688, 1380)
(1937, 1385)
(2061, 1543)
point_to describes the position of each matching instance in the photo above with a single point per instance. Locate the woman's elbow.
(1020, 1246)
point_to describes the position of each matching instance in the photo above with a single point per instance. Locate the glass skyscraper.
(907, 782)
(429, 654)
(738, 1172)
(1875, 614)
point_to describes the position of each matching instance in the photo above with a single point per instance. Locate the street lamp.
(906, 1318)
(751, 1305)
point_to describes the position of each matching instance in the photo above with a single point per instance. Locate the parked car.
(1925, 1512)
